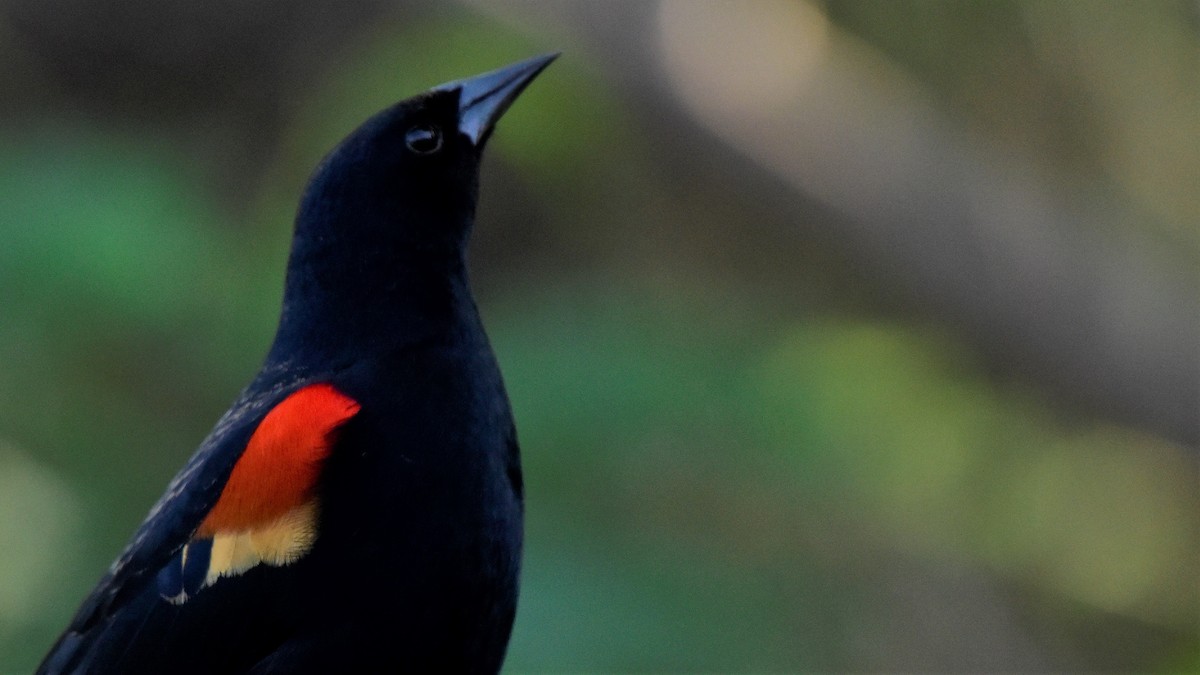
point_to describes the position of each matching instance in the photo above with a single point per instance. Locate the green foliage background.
(729, 469)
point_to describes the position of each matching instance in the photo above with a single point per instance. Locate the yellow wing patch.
(204, 560)
(281, 542)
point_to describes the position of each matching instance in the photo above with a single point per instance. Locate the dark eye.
(423, 139)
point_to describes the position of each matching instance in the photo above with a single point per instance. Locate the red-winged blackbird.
(359, 507)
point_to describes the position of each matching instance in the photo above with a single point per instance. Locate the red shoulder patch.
(278, 470)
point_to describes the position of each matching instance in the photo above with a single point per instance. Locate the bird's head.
(409, 173)
(392, 205)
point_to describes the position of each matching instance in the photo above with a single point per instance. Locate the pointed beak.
(484, 98)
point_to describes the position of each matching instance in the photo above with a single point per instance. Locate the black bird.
(359, 507)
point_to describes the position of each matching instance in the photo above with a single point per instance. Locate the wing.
(245, 498)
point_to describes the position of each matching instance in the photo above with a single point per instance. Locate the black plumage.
(415, 560)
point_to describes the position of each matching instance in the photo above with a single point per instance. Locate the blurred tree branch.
(1049, 283)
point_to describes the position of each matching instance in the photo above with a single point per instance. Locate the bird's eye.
(423, 139)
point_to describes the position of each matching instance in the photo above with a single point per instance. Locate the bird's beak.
(484, 98)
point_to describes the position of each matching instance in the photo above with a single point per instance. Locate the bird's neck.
(341, 313)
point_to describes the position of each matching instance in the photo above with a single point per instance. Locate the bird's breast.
(419, 509)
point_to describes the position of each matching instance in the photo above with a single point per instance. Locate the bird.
(359, 507)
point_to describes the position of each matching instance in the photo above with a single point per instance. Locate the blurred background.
(841, 335)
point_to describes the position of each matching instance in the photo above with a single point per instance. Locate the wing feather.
(190, 498)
